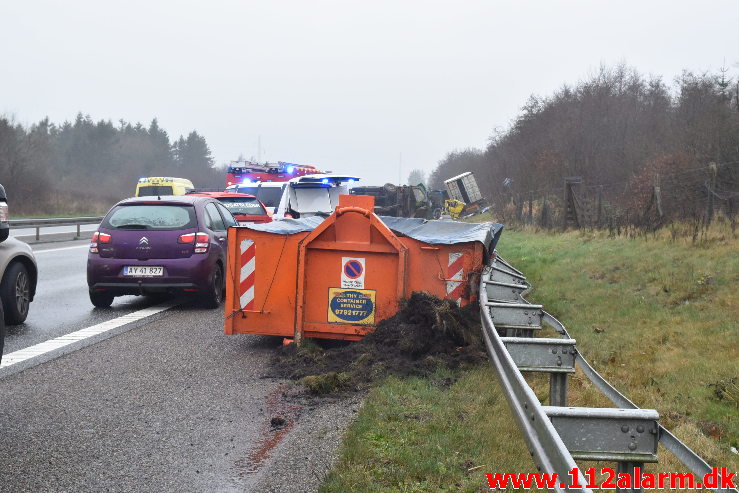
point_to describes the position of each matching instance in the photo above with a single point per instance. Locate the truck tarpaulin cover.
(428, 231)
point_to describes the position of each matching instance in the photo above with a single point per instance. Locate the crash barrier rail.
(55, 221)
(556, 435)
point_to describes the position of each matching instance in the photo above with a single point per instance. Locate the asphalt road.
(62, 304)
(168, 403)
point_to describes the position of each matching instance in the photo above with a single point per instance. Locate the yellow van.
(159, 185)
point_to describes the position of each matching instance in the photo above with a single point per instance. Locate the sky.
(373, 88)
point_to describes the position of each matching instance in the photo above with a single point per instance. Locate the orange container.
(340, 279)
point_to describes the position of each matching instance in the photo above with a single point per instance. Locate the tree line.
(624, 135)
(85, 166)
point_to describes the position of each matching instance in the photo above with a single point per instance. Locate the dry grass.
(657, 316)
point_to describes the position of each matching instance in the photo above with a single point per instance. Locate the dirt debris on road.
(425, 335)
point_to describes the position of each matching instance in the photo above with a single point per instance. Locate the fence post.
(531, 207)
(544, 219)
(600, 207)
(565, 203)
(570, 205)
(519, 208)
(658, 195)
(712, 172)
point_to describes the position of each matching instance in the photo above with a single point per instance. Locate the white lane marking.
(53, 344)
(86, 245)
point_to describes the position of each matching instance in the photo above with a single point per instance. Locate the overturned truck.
(404, 201)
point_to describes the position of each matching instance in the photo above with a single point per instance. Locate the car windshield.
(151, 216)
(243, 205)
(313, 199)
(152, 190)
(270, 196)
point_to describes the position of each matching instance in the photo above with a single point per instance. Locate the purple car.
(169, 244)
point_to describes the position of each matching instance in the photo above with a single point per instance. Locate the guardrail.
(57, 221)
(557, 435)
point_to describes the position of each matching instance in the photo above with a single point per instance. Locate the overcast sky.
(346, 85)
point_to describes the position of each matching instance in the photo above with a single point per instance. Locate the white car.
(18, 274)
(313, 195)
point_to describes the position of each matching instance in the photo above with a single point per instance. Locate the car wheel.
(101, 300)
(214, 296)
(15, 292)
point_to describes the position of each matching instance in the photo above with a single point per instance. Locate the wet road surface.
(61, 304)
(173, 405)
(168, 403)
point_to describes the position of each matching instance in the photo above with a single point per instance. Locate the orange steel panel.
(323, 271)
(273, 310)
(352, 232)
(428, 267)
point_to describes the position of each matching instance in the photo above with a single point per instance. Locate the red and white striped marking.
(455, 284)
(246, 280)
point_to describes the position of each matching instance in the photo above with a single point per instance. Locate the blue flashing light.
(325, 181)
(246, 180)
(291, 169)
(351, 180)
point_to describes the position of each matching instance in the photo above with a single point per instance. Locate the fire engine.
(249, 172)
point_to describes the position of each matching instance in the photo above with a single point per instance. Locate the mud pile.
(426, 334)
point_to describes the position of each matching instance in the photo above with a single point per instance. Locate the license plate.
(143, 271)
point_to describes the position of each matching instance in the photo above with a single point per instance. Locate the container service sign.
(351, 306)
(352, 272)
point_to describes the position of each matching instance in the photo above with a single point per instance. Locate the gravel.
(301, 463)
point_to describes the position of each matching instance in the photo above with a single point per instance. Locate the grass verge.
(430, 434)
(656, 316)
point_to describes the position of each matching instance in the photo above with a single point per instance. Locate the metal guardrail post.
(38, 233)
(558, 389)
(630, 469)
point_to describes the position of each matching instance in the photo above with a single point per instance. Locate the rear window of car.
(243, 205)
(151, 190)
(151, 217)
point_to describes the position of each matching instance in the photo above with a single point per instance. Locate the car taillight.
(201, 241)
(188, 238)
(99, 237)
(3, 211)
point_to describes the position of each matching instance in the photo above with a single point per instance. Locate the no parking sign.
(352, 272)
